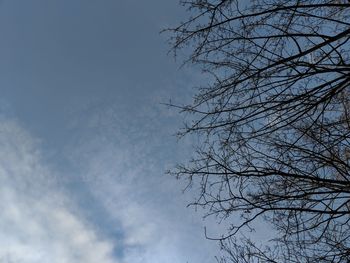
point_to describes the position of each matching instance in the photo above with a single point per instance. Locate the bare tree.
(273, 124)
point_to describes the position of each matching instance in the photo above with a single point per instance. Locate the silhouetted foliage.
(274, 124)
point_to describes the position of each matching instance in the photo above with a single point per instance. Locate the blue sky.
(84, 140)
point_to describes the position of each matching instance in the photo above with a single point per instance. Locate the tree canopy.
(274, 124)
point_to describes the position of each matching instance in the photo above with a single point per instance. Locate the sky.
(85, 139)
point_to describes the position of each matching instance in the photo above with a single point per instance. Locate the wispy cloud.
(119, 206)
(38, 223)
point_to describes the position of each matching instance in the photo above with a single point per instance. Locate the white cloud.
(37, 222)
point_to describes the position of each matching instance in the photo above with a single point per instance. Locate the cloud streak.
(117, 207)
(38, 223)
